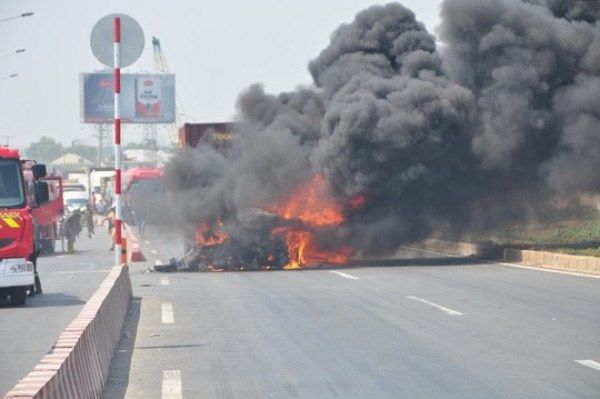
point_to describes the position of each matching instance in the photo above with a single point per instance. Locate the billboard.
(145, 98)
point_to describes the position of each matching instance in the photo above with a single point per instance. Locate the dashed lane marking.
(171, 384)
(166, 313)
(165, 281)
(435, 305)
(345, 275)
(589, 363)
(147, 242)
(153, 251)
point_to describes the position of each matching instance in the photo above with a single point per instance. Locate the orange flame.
(311, 204)
(303, 251)
(208, 236)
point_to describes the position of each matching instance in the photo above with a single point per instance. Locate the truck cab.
(17, 249)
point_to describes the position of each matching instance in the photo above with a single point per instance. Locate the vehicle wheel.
(18, 296)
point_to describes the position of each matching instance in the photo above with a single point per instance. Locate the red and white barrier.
(77, 365)
(134, 244)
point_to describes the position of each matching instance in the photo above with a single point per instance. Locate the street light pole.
(19, 51)
(22, 15)
(12, 75)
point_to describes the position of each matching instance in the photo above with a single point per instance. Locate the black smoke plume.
(507, 112)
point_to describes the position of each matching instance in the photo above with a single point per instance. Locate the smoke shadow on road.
(405, 262)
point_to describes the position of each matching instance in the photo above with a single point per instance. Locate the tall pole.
(117, 89)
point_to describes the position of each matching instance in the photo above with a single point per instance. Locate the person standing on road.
(110, 218)
(141, 221)
(89, 218)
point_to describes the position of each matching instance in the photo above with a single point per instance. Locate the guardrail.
(76, 366)
(539, 259)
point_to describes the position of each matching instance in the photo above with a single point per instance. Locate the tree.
(88, 152)
(45, 150)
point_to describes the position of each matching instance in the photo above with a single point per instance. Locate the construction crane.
(161, 66)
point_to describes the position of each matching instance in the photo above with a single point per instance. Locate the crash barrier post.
(123, 250)
(134, 244)
(77, 364)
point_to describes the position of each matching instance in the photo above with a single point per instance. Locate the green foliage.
(45, 150)
(88, 152)
(589, 232)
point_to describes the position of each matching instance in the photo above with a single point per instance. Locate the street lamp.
(19, 51)
(12, 75)
(22, 15)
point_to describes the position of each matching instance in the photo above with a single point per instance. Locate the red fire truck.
(18, 197)
(47, 216)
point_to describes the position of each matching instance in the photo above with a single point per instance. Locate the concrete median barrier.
(76, 366)
(539, 259)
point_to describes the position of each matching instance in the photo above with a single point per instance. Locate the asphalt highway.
(421, 325)
(28, 332)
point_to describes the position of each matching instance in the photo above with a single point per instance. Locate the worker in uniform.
(89, 219)
(110, 218)
(72, 230)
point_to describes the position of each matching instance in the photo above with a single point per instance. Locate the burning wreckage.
(283, 237)
(395, 140)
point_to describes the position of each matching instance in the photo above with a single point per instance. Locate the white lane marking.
(344, 275)
(81, 271)
(147, 242)
(540, 269)
(164, 281)
(435, 305)
(166, 313)
(153, 251)
(589, 363)
(171, 384)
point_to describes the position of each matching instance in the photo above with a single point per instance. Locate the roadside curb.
(77, 364)
(537, 259)
(134, 245)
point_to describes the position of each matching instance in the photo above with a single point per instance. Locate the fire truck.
(47, 216)
(18, 198)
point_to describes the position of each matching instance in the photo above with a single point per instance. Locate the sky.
(215, 49)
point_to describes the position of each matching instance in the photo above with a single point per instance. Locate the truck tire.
(18, 296)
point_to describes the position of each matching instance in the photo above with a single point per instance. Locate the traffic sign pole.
(117, 92)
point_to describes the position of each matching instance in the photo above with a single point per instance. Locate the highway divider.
(76, 366)
(538, 259)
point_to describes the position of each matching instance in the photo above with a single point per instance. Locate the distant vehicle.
(18, 196)
(144, 195)
(73, 187)
(216, 135)
(75, 200)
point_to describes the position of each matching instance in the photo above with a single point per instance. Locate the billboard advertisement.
(145, 98)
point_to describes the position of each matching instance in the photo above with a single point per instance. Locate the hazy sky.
(215, 49)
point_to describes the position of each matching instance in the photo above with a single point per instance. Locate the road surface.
(421, 326)
(27, 333)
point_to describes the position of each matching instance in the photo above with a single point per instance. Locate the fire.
(311, 205)
(310, 211)
(304, 252)
(206, 235)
